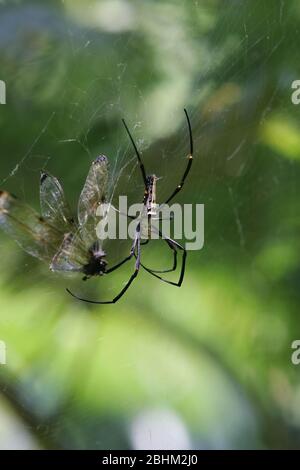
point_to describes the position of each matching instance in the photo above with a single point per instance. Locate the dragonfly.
(54, 236)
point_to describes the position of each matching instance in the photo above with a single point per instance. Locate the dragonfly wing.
(31, 231)
(71, 256)
(54, 207)
(92, 197)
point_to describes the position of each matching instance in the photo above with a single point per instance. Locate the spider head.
(150, 180)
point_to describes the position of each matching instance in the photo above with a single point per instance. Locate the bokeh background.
(206, 366)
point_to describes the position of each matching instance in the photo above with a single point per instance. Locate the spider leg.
(182, 271)
(189, 164)
(110, 270)
(175, 246)
(135, 247)
(142, 168)
(174, 259)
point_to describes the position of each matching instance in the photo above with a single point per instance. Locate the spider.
(68, 245)
(149, 202)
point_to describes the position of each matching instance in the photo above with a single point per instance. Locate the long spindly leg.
(174, 259)
(110, 270)
(182, 271)
(142, 168)
(175, 246)
(137, 248)
(135, 251)
(189, 163)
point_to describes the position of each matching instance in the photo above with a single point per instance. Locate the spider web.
(74, 69)
(85, 97)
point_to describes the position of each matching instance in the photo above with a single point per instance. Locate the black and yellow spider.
(70, 245)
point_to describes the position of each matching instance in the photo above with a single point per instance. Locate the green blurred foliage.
(216, 352)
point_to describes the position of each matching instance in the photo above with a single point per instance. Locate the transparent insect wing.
(92, 197)
(71, 256)
(27, 228)
(54, 207)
